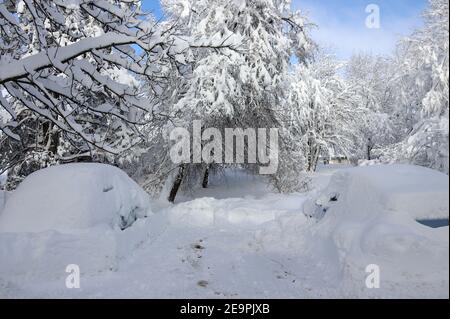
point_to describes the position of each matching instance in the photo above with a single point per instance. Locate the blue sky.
(341, 23)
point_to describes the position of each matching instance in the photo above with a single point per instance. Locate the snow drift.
(367, 215)
(66, 214)
(272, 250)
(419, 192)
(70, 197)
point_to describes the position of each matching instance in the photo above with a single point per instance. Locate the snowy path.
(203, 247)
(238, 240)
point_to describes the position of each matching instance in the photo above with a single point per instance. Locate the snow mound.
(235, 212)
(70, 197)
(367, 215)
(420, 192)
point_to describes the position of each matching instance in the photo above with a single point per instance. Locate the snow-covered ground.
(236, 239)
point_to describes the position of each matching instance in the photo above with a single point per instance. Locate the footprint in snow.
(203, 283)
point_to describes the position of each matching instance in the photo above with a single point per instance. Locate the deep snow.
(239, 239)
(74, 196)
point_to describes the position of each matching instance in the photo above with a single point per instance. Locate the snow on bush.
(70, 197)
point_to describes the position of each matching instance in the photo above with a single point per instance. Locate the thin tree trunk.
(206, 178)
(316, 159)
(53, 140)
(313, 156)
(177, 184)
(369, 148)
(310, 155)
(369, 155)
(310, 164)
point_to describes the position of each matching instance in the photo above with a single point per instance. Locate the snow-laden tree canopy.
(371, 77)
(62, 60)
(77, 63)
(422, 91)
(321, 111)
(71, 75)
(101, 80)
(245, 87)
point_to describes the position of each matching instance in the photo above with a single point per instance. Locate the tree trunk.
(310, 155)
(313, 156)
(369, 149)
(315, 159)
(177, 184)
(53, 140)
(205, 178)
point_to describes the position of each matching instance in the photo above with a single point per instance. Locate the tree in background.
(237, 88)
(371, 79)
(321, 111)
(423, 87)
(406, 96)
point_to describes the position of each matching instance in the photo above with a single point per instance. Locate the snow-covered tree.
(422, 86)
(68, 75)
(371, 79)
(240, 87)
(63, 59)
(71, 73)
(320, 112)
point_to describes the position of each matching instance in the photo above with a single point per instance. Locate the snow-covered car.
(75, 196)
